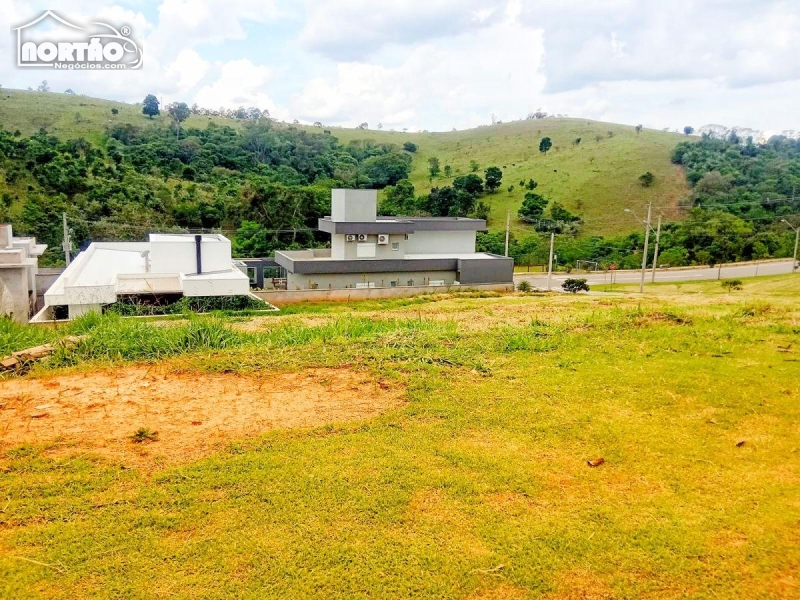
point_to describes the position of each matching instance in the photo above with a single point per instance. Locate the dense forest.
(265, 184)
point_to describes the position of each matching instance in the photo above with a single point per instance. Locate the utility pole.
(66, 244)
(655, 256)
(646, 241)
(508, 228)
(796, 240)
(550, 267)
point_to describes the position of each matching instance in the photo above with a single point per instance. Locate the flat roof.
(186, 237)
(459, 256)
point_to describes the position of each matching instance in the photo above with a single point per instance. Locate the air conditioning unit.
(350, 237)
(362, 237)
(383, 238)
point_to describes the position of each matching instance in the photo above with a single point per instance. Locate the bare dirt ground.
(193, 413)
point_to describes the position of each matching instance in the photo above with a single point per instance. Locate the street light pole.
(796, 240)
(655, 256)
(646, 241)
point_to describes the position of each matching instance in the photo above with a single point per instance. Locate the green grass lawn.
(597, 178)
(773, 286)
(477, 486)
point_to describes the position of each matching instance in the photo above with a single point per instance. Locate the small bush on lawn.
(575, 285)
(524, 286)
(143, 434)
(732, 284)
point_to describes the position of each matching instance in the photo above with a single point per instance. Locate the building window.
(395, 246)
(251, 274)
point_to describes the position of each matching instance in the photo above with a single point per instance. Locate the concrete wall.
(15, 301)
(178, 254)
(354, 205)
(283, 298)
(483, 270)
(441, 242)
(236, 285)
(299, 281)
(344, 250)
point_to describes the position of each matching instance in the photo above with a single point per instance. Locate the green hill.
(596, 178)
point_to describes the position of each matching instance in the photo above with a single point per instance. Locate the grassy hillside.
(473, 484)
(596, 179)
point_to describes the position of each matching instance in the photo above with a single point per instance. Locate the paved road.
(664, 275)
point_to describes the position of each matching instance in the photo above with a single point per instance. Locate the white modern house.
(19, 263)
(168, 265)
(371, 251)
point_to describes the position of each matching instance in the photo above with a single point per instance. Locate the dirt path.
(192, 413)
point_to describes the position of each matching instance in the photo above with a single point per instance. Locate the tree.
(251, 240)
(688, 130)
(473, 166)
(363, 125)
(150, 106)
(545, 145)
(179, 112)
(448, 170)
(387, 169)
(493, 176)
(574, 286)
(638, 129)
(69, 91)
(410, 147)
(470, 183)
(577, 142)
(43, 87)
(481, 211)
(531, 185)
(560, 214)
(399, 199)
(532, 207)
(449, 201)
(433, 166)
(647, 179)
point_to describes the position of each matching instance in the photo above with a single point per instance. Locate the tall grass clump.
(15, 336)
(111, 338)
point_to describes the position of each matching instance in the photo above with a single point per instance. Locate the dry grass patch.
(186, 415)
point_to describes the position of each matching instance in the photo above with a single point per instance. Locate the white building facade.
(371, 251)
(168, 264)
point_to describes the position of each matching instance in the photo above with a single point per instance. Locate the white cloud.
(443, 63)
(741, 42)
(186, 70)
(357, 29)
(240, 83)
(493, 70)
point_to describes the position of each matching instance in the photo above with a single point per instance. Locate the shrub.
(732, 284)
(575, 285)
(143, 434)
(524, 286)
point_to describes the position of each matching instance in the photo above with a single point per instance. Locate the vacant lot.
(449, 459)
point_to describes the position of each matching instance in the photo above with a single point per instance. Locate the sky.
(443, 64)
